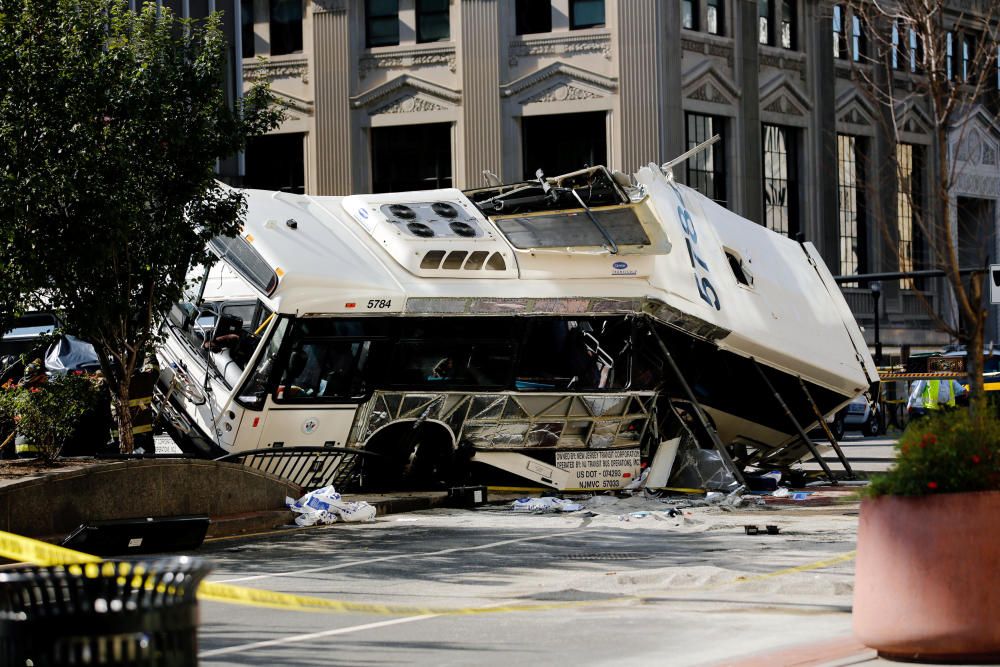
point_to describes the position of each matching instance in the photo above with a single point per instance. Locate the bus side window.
(344, 375)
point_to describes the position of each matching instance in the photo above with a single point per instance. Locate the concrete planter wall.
(927, 579)
(55, 504)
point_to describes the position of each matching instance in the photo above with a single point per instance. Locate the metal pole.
(798, 427)
(876, 294)
(899, 275)
(826, 429)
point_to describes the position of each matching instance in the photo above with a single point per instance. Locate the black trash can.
(113, 613)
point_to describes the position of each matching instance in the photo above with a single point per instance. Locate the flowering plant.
(48, 413)
(944, 453)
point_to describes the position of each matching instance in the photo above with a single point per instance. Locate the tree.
(925, 53)
(111, 124)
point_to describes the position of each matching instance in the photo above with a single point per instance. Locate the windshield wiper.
(611, 246)
(554, 195)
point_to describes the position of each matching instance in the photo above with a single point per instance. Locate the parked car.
(25, 339)
(862, 415)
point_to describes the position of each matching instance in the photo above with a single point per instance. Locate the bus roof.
(680, 256)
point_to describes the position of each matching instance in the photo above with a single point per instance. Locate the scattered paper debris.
(327, 506)
(546, 504)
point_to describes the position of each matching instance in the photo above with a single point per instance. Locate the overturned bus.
(558, 332)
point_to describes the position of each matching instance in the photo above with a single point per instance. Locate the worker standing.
(932, 395)
(141, 406)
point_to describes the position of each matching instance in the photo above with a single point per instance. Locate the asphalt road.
(646, 590)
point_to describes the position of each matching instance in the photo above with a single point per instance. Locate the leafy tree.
(941, 56)
(111, 125)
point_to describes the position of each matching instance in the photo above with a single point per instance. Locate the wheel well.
(405, 435)
(414, 455)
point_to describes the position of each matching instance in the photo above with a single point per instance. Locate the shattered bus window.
(451, 363)
(583, 354)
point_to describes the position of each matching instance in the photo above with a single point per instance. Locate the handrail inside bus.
(263, 325)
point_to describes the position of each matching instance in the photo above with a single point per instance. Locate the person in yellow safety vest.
(141, 404)
(34, 375)
(938, 393)
(932, 395)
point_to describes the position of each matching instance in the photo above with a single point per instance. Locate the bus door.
(308, 385)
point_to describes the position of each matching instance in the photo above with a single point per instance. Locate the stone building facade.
(404, 94)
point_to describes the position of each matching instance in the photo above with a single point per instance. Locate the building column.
(822, 221)
(479, 55)
(333, 146)
(748, 200)
(674, 140)
(641, 82)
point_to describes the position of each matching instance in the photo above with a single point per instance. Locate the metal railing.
(308, 467)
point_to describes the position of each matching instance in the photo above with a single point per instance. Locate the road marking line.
(815, 565)
(340, 566)
(312, 635)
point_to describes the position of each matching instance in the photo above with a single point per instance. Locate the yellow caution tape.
(260, 598)
(27, 550)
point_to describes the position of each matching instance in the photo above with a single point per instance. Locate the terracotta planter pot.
(927, 578)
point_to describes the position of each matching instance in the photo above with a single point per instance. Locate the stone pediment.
(975, 140)
(911, 118)
(780, 95)
(706, 83)
(853, 108)
(406, 94)
(559, 82)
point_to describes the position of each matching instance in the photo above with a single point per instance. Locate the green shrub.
(944, 453)
(48, 414)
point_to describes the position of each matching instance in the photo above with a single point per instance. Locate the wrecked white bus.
(551, 332)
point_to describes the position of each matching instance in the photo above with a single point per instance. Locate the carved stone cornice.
(563, 93)
(273, 70)
(568, 45)
(786, 60)
(408, 105)
(709, 49)
(402, 59)
(977, 184)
